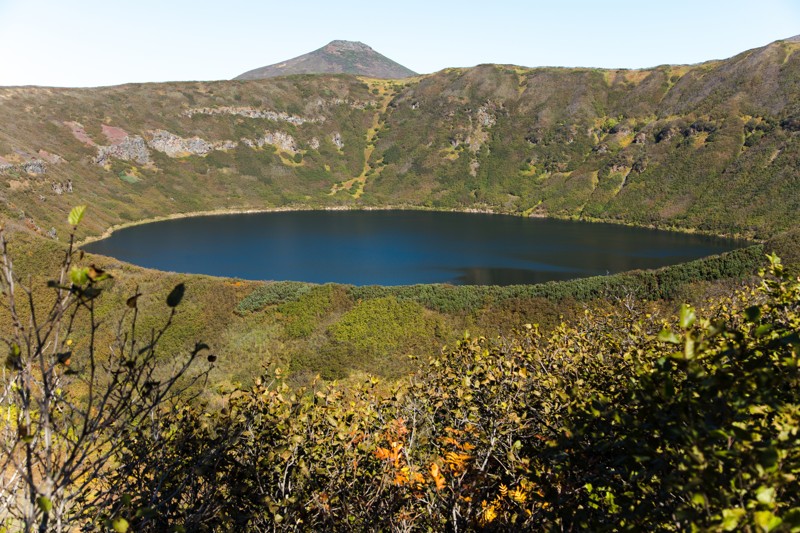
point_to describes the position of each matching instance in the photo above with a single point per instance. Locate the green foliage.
(391, 155)
(616, 419)
(76, 215)
(71, 406)
(603, 424)
(272, 293)
(383, 326)
(303, 315)
(704, 436)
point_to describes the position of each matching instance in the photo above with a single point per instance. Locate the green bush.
(273, 293)
(382, 325)
(303, 315)
(663, 283)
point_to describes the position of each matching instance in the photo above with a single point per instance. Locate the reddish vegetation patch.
(80, 133)
(113, 134)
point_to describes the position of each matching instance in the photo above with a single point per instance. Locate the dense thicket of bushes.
(620, 421)
(663, 283)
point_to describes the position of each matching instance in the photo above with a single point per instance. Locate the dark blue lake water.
(400, 247)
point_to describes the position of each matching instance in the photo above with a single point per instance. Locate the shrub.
(72, 410)
(272, 293)
(617, 422)
(303, 315)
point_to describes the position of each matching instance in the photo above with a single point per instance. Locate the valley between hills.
(565, 405)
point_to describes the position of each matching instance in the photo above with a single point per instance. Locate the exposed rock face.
(332, 102)
(640, 138)
(474, 165)
(37, 166)
(314, 143)
(666, 134)
(336, 139)
(175, 146)
(601, 148)
(618, 169)
(251, 112)
(131, 148)
(34, 166)
(485, 118)
(475, 133)
(279, 139)
(59, 188)
(123, 146)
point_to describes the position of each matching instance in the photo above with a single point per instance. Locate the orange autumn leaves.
(453, 463)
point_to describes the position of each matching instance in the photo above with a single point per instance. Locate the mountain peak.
(337, 44)
(336, 57)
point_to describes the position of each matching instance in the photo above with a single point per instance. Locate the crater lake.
(398, 247)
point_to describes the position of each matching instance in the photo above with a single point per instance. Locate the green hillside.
(712, 147)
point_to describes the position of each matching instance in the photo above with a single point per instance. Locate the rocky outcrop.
(279, 139)
(35, 167)
(175, 146)
(485, 118)
(61, 188)
(476, 132)
(336, 139)
(131, 148)
(474, 165)
(251, 112)
(123, 146)
(333, 102)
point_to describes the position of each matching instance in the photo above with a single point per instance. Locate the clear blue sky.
(90, 42)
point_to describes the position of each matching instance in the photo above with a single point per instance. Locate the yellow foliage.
(438, 478)
(488, 512)
(457, 461)
(519, 495)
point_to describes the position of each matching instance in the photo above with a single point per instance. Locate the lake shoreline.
(477, 210)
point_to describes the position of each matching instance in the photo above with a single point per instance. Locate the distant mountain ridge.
(336, 57)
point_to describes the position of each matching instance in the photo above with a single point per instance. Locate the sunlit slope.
(711, 146)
